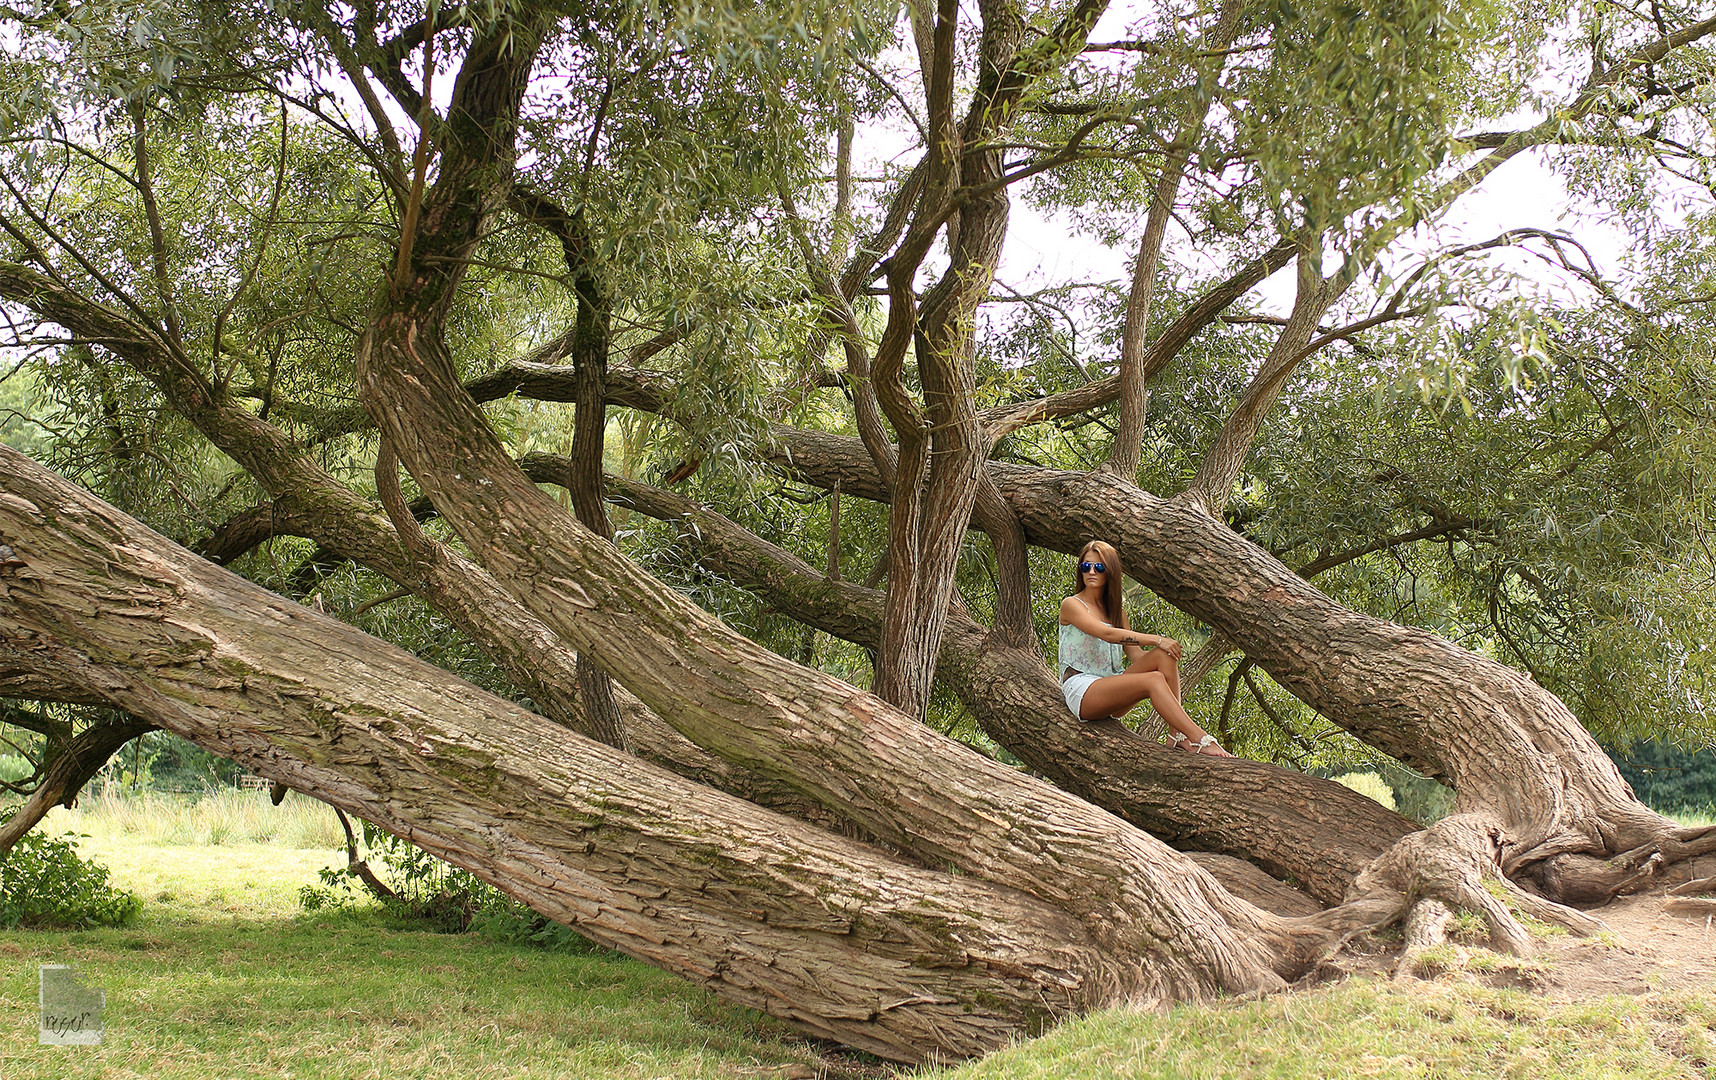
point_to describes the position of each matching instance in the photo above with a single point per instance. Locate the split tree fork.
(1153, 675)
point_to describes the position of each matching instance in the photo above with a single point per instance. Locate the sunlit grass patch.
(223, 976)
(1457, 1028)
(1696, 819)
(218, 818)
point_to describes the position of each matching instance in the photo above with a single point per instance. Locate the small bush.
(43, 883)
(505, 920)
(1370, 785)
(14, 768)
(440, 896)
(1418, 797)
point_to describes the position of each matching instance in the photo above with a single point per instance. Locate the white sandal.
(1176, 741)
(1207, 740)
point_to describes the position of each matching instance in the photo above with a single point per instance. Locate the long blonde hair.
(1113, 592)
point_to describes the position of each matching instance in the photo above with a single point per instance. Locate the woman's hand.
(1170, 646)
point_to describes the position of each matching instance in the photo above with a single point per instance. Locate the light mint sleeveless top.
(1091, 655)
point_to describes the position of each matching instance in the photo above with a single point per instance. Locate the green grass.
(1374, 1028)
(223, 976)
(1695, 819)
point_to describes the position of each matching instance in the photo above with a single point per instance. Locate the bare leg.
(1158, 660)
(1118, 693)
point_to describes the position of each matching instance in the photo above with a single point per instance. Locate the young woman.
(1095, 648)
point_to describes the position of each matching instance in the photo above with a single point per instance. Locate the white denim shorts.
(1073, 689)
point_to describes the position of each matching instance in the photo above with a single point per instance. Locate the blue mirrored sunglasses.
(1092, 568)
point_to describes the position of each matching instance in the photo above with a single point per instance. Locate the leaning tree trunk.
(1295, 826)
(827, 933)
(1512, 750)
(883, 770)
(1509, 748)
(847, 750)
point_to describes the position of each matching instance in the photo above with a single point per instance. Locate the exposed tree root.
(1592, 881)
(1694, 887)
(1427, 875)
(1546, 910)
(1426, 927)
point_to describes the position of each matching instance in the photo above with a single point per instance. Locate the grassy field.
(224, 976)
(1373, 1028)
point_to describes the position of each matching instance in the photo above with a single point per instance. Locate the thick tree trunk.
(763, 910)
(591, 337)
(884, 771)
(851, 752)
(1296, 826)
(1053, 907)
(311, 503)
(1511, 749)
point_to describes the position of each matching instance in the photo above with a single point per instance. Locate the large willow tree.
(266, 257)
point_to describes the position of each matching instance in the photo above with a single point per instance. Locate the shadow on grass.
(358, 993)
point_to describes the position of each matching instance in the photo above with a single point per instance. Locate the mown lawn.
(224, 976)
(1374, 1028)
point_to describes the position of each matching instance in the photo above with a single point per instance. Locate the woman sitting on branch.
(1094, 655)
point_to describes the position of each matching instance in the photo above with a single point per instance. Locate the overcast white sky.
(1525, 192)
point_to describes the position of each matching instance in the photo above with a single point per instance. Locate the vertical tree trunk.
(1124, 457)
(589, 436)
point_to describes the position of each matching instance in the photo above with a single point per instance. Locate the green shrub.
(443, 897)
(43, 883)
(1369, 785)
(1669, 778)
(503, 919)
(1418, 797)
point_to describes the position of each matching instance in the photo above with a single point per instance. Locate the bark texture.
(1314, 831)
(1510, 748)
(822, 931)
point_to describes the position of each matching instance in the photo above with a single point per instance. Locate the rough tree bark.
(829, 934)
(1512, 750)
(939, 480)
(1295, 826)
(849, 751)
(1005, 901)
(825, 932)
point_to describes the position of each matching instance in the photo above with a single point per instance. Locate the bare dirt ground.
(1657, 944)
